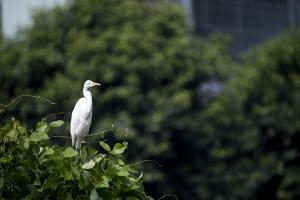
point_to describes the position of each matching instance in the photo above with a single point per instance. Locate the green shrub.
(32, 169)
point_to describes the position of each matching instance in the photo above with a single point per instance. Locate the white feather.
(82, 116)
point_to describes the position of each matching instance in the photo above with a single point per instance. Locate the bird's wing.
(76, 114)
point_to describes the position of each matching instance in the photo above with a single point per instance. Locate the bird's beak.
(96, 84)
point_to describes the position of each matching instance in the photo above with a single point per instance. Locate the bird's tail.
(77, 143)
(73, 140)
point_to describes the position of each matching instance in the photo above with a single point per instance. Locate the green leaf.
(123, 172)
(140, 177)
(120, 162)
(105, 146)
(76, 171)
(99, 158)
(12, 134)
(41, 150)
(48, 151)
(106, 194)
(119, 148)
(81, 182)
(85, 179)
(67, 173)
(57, 156)
(94, 195)
(57, 123)
(88, 165)
(42, 127)
(26, 143)
(3, 160)
(52, 182)
(69, 152)
(21, 129)
(103, 183)
(38, 136)
(37, 182)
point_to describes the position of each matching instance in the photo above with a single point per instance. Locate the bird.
(82, 115)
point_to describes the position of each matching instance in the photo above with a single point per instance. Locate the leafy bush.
(33, 169)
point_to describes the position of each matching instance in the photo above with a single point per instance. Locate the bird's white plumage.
(82, 115)
(81, 120)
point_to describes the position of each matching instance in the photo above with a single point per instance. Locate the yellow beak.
(96, 84)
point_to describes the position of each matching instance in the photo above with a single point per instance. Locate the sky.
(17, 13)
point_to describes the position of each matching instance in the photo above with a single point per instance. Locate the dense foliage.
(152, 73)
(166, 87)
(30, 168)
(255, 124)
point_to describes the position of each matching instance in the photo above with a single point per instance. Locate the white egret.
(82, 115)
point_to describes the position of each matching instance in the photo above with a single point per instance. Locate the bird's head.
(89, 83)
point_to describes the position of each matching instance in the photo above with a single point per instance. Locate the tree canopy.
(151, 69)
(220, 130)
(255, 125)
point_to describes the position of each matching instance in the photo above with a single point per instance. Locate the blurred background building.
(248, 22)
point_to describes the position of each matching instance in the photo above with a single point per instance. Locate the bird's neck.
(87, 94)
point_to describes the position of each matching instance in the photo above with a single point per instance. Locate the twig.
(58, 136)
(168, 195)
(3, 107)
(151, 161)
(67, 137)
(99, 133)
